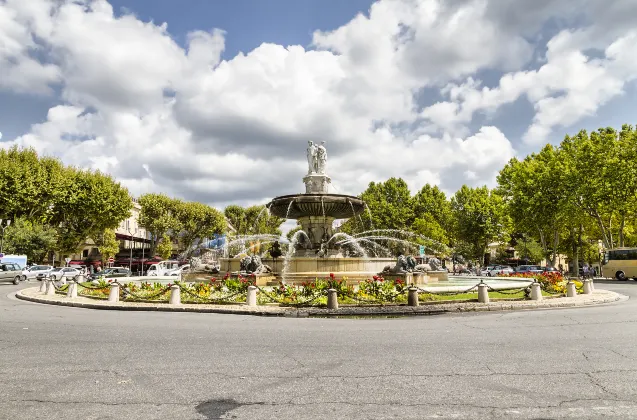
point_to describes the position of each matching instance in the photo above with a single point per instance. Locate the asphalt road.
(72, 363)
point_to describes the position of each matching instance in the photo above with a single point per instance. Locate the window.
(623, 254)
(85, 253)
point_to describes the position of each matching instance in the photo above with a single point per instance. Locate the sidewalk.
(426, 308)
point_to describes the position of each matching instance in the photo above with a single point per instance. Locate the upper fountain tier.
(334, 206)
(317, 201)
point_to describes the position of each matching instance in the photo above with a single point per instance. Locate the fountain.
(317, 250)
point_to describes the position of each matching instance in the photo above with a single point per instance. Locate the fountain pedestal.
(317, 183)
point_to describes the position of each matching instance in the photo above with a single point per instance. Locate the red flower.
(169, 284)
(375, 277)
(331, 275)
(212, 280)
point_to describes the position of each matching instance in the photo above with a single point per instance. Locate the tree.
(165, 247)
(92, 202)
(107, 244)
(198, 221)
(530, 250)
(390, 207)
(253, 220)
(158, 216)
(77, 203)
(479, 218)
(32, 239)
(536, 195)
(432, 201)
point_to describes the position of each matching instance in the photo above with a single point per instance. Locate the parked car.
(486, 270)
(498, 270)
(529, 269)
(550, 270)
(178, 271)
(111, 272)
(10, 272)
(60, 272)
(36, 272)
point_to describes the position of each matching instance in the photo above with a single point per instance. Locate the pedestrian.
(561, 267)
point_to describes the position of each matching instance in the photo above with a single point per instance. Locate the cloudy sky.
(215, 100)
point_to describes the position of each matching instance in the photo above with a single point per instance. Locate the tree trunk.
(556, 241)
(602, 229)
(621, 229)
(575, 270)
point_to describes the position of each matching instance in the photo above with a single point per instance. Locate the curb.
(430, 309)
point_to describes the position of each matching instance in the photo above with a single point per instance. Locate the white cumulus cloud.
(188, 121)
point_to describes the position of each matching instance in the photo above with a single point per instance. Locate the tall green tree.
(77, 203)
(253, 220)
(480, 218)
(165, 247)
(536, 194)
(92, 202)
(30, 238)
(158, 215)
(107, 244)
(198, 221)
(390, 206)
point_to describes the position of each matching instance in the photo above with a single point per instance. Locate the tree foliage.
(76, 203)
(253, 220)
(158, 215)
(107, 244)
(198, 221)
(30, 238)
(480, 218)
(165, 247)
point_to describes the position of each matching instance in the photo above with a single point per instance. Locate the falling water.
(289, 207)
(290, 252)
(265, 209)
(323, 207)
(349, 239)
(369, 214)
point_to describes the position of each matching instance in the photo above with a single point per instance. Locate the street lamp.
(3, 224)
(130, 261)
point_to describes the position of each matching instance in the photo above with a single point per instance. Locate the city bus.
(620, 263)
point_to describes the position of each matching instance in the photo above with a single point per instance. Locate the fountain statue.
(317, 249)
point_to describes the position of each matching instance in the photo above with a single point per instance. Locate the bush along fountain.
(317, 251)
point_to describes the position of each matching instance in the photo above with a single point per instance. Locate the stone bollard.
(412, 297)
(570, 289)
(72, 291)
(251, 298)
(588, 286)
(332, 299)
(483, 293)
(175, 295)
(536, 291)
(80, 278)
(43, 286)
(113, 294)
(50, 288)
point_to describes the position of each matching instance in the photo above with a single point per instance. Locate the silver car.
(60, 272)
(35, 271)
(10, 272)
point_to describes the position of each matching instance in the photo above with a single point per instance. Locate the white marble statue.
(311, 158)
(321, 158)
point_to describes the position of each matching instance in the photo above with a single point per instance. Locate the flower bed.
(550, 282)
(232, 290)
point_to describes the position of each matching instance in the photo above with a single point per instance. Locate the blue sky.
(103, 86)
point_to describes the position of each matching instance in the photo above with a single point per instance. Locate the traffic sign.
(1, 255)
(111, 259)
(422, 250)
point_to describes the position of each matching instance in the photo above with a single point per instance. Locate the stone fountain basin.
(337, 206)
